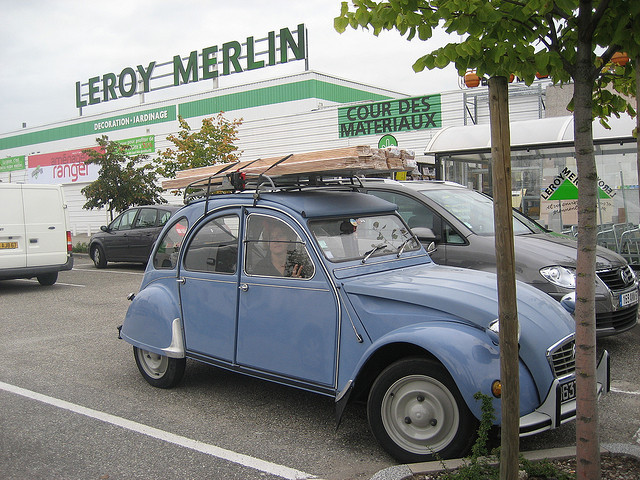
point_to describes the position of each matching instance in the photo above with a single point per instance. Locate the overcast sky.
(47, 46)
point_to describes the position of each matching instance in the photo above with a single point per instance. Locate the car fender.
(153, 322)
(472, 360)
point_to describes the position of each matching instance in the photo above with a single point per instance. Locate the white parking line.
(240, 459)
(618, 390)
(57, 283)
(93, 269)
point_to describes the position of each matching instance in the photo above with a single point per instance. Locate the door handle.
(244, 287)
(181, 280)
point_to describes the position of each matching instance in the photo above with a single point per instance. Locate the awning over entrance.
(549, 132)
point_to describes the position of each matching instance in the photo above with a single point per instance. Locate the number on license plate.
(568, 391)
(8, 244)
(629, 298)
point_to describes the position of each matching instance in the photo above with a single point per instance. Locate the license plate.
(568, 391)
(629, 298)
(8, 244)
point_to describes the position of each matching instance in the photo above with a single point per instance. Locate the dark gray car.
(130, 236)
(461, 220)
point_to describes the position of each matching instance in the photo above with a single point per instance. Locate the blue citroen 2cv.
(328, 290)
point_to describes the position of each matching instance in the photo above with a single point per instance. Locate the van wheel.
(417, 414)
(99, 259)
(47, 279)
(159, 370)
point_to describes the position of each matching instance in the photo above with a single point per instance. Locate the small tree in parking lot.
(213, 143)
(122, 181)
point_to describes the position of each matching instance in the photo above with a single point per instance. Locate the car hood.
(563, 251)
(431, 293)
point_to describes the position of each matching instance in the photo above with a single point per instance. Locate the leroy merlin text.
(573, 178)
(199, 66)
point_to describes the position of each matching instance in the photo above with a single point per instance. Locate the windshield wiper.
(403, 246)
(373, 250)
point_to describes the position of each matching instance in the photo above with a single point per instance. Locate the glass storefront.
(544, 187)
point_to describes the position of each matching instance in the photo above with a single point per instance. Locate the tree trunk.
(587, 443)
(505, 264)
(637, 70)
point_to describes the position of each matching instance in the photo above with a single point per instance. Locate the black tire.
(417, 414)
(47, 279)
(158, 370)
(98, 256)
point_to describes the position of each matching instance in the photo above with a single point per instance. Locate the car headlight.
(494, 331)
(560, 276)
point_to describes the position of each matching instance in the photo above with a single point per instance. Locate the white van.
(35, 240)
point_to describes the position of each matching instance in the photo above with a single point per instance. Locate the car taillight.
(69, 243)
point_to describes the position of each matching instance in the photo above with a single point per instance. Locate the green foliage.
(486, 421)
(213, 143)
(80, 247)
(505, 37)
(481, 466)
(122, 181)
(544, 469)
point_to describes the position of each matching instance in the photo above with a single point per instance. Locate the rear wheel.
(99, 258)
(47, 279)
(159, 370)
(417, 414)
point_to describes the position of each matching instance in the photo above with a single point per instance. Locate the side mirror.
(569, 302)
(104, 229)
(426, 237)
(424, 234)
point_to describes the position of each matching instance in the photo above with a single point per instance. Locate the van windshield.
(475, 210)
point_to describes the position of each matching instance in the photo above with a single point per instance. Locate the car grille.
(617, 278)
(622, 319)
(562, 358)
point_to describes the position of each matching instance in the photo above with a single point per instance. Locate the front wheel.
(417, 414)
(99, 258)
(159, 370)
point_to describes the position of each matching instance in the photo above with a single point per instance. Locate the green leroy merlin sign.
(405, 114)
(210, 63)
(564, 186)
(10, 164)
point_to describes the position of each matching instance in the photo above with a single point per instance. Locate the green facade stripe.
(94, 127)
(225, 103)
(277, 94)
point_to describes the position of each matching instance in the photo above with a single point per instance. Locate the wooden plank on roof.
(360, 159)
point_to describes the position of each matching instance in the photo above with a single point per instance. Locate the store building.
(309, 111)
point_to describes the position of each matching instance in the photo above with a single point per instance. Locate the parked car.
(461, 220)
(329, 292)
(130, 236)
(35, 240)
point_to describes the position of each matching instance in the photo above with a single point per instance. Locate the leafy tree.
(122, 181)
(213, 143)
(569, 40)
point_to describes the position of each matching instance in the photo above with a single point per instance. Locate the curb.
(402, 472)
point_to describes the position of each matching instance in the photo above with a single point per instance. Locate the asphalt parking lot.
(74, 405)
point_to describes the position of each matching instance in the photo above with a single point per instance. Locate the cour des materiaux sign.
(232, 57)
(400, 115)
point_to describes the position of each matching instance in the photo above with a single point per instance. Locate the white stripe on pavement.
(244, 460)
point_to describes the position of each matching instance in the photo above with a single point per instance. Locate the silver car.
(461, 220)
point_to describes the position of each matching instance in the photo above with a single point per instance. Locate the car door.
(209, 287)
(145, 231)
(116, 240)
(287, 321)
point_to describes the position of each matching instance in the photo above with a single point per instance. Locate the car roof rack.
(334, 168)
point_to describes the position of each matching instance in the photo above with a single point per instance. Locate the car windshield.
(475, 210)
(350, 238)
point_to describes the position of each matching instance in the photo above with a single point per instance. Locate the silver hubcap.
(420, 414)
(153, 364)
